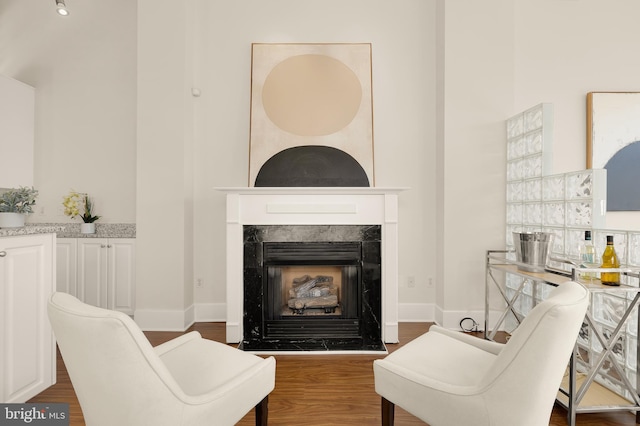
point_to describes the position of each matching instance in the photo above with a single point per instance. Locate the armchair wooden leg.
(262, 412)
(388, 410)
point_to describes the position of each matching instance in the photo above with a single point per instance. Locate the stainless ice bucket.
(532, 248)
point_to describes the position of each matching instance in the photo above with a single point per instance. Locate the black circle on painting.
(312, 166)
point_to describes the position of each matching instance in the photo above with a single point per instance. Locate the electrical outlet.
(430, 282)
(199, 282)
(411, 282)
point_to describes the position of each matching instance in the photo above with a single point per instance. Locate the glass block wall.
(567, 205)
(564, 204)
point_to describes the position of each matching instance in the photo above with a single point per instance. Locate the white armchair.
(450, 378)
(120, 379)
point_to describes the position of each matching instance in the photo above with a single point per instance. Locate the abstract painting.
(311, 95)
(613, 143)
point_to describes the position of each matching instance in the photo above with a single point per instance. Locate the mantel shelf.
(312, 190)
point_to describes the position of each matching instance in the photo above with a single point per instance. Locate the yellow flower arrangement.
(72, 204)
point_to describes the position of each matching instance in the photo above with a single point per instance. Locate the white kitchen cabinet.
(67, 265)
(17, 117)
(27, 346)
(106, 273)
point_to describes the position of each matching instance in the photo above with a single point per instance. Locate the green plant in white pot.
(15, 204)
(73, 203)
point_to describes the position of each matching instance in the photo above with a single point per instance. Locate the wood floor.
(318, 389)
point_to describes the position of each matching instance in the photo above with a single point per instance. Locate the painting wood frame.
(613, 143)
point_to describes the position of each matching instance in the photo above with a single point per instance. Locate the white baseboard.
(453, 319)
(416, 312)
(429, 312)
(175, 320)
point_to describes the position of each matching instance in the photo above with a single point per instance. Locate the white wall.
(83, 68)
(165, 175)
(94, 106)
(403, 45)
(565, 49)
(477, 60)
(500, 58)
(497, 58)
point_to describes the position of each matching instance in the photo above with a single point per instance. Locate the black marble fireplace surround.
(353, 249)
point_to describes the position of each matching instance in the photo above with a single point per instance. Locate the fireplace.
(366, 216)
(312, 287)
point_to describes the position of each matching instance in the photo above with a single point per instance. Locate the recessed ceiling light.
(61, 8)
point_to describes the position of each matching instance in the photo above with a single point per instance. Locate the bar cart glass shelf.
(603, 372)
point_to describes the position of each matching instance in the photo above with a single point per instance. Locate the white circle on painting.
(311, 95)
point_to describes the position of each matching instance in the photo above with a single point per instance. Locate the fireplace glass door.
(312, 289)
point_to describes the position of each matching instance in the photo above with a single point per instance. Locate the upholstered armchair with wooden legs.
(120, 379)
(450, 378)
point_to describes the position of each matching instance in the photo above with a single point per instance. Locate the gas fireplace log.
(317, 291)
(314, 302)
(301, 280)
(307, 287)
(318, 278)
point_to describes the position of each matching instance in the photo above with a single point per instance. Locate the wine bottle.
(588, 256)
(610, 260)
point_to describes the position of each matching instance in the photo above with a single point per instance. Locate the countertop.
(72, 230)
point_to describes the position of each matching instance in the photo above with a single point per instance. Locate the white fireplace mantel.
(312, 206)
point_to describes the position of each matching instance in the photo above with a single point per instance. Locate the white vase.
(87, 228)
(11, 220)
